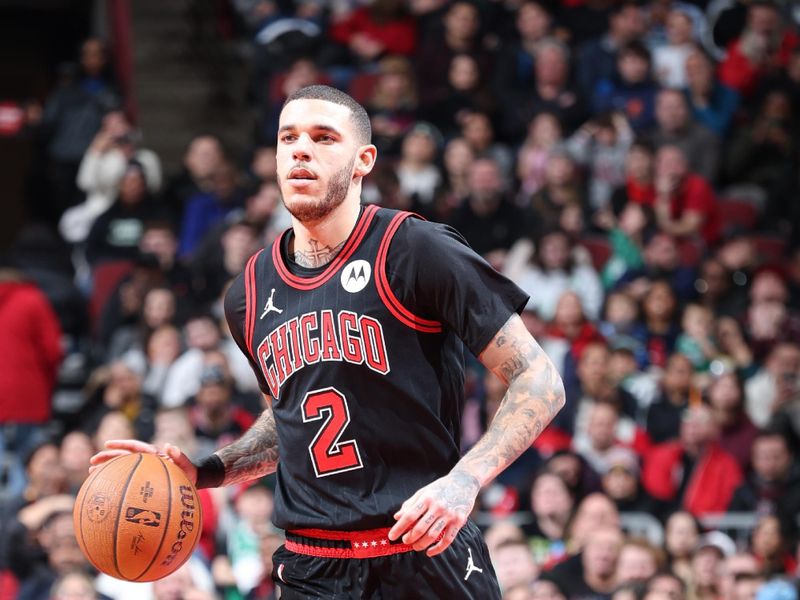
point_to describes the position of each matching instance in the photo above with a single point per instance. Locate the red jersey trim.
(385, 292)
(309, 283)
(250, 301)
(369, 543)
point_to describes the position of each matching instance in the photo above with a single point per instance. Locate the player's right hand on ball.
(115, 448)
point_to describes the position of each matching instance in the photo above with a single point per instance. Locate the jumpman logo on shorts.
(269, 306)
(471, 566)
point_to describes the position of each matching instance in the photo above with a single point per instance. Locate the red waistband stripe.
(369, 543)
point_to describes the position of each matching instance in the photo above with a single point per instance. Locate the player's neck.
(316, 244)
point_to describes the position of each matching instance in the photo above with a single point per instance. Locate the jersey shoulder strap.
(250, 300)
(388, 297)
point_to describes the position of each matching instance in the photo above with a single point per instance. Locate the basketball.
(137, 517)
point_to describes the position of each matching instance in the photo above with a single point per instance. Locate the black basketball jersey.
(364, 361)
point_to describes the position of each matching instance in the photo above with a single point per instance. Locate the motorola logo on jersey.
(355, 275)
(321, 336)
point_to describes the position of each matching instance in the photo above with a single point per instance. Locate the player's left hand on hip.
(432, 517)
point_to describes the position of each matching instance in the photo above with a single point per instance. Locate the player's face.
(316, 154)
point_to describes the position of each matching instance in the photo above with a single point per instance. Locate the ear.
(365, 160)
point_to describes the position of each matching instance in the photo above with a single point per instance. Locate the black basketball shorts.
(311, 565)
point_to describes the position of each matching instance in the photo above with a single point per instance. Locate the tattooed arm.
(535, 394)
(253, 455)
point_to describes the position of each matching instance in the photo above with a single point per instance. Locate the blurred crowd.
(631, 165)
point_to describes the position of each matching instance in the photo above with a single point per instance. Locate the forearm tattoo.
(535, 394)
(253, 455)
(317, 255)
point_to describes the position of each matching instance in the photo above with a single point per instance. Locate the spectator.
(559, 198)
(713, 104)
(202, 334)
(162, 348)
(73, 585)
(693, 471)
(669, 60)
(685, 204)
(711, 552)
(158, 309)
(762, 48)
(596, 572)
(631, 90)
(638, 561)
(461, 33)
(621, 326)
(601, 146)
(478, 131)
(393, 104)
(662, 262)
(514, 564)
(659, 307)
(597, 58)
(417, 171)
(253, 511)
(552, 93)
(238, 240)
(621, 482)
(544, 136)
(554, 271)
(580, 480)
(487, 219)
(737, 432)
(458, 160)
(466, 92)
(117, 387)
(696, 340)
(63, 555)
(717, 291)
(775, 386)
(762, 154)
(605, 432)
(515, 63)
(769, 320)
(770, 545)
(74, 453)
(31, 353)
(217, 421)
(203, 157)
(664, 416)
(115, 234)
(675, 126)
(665, 584)
(638, 187)
(72, 116)
(205, 210)
(771, 486)
(736, 567)
(101, 169)
(369, 32)
(551, 505)
(546, 589)
(681, 535)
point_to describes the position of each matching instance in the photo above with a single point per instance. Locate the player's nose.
(301, 149)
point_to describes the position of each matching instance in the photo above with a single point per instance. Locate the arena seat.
(691, 251)
(737, 214)
(599, 249)
(106, 276)
(769, 247)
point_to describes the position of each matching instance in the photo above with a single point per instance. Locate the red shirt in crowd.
(696, 195)
(397, 36)
(30, 353)
(739, 73)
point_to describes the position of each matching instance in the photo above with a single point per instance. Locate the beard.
(310, 211)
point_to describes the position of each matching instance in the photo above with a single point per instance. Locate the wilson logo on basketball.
(186, 525)
(98, 508)
(142, 516)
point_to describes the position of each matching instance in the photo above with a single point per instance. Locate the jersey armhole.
(385, 292)
(250, 301)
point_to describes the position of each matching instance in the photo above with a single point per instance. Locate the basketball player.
(354, 321)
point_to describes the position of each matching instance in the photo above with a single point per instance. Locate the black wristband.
(210, 472)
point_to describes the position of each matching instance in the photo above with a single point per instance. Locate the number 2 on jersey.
(329, 454)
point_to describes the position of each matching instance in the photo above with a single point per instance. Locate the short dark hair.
(331, 94)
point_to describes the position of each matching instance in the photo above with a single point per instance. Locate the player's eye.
(288, 137)
(326, 137)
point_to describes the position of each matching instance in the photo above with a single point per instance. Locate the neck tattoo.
(317, 255)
